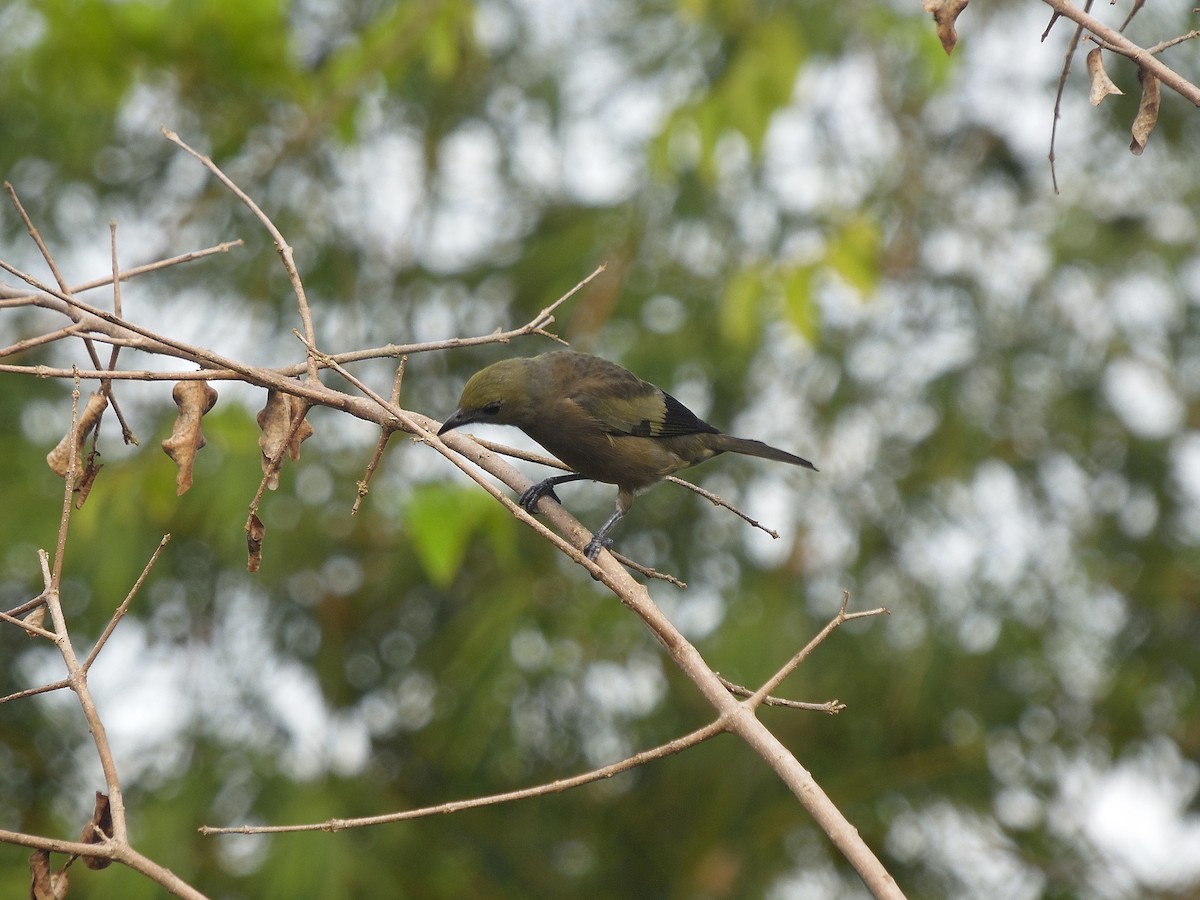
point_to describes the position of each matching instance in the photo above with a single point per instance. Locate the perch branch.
(1118, 43)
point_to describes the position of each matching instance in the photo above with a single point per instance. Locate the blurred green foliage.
(818, 231)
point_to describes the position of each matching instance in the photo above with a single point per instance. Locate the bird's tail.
(728, 443)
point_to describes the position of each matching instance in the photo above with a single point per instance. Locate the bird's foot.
(593, 547)
(529, 499)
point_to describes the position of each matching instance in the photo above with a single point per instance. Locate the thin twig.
(1167, 45)
(127, 434)
(41, 689)
(30, 628)
(281, 246)
(49, 337)
(725, 504)
(111, 849)
(1134, 9)
(363, 484)
(648, 571)
(167, 345)
(214, 369)
(555, 787)
(1062, 87)
(36, 235)
(832, 707)
(55, 580)
(120, 611)
(842, 616)
(1118, 43)
(12, 298)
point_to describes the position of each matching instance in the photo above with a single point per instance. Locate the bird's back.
(610, 425)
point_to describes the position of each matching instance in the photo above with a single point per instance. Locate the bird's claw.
(593, 547)
(529, 499)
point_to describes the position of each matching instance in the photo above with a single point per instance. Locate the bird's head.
(499, 394)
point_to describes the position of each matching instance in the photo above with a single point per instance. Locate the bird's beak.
(456, 419)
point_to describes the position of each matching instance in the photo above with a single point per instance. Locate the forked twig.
(364, 483)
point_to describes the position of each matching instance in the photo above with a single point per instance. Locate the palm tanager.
(602, 421)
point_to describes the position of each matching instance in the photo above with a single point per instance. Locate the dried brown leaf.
(279, 431)
(37, 619)
(1147, 114)
(945, 12)
(1102, 85)
(97, 831)
(84, 486)
(194, 399)
(255, 532)
(45, 884)
(59, 459)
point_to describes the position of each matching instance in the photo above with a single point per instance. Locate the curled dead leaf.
(255, 532)
(945, 12)
(1102, 85)
(280, 432)
(59, 459)
(45, 884)
(83, 486)
(98, 831)
(1147, 114)
(37, 619)
(194, 399)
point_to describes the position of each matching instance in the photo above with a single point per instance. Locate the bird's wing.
(635, 407)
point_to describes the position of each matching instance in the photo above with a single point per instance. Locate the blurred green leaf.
(740, 306)
(444, 519)
(853, 252)
(759, 77)
(802, 311)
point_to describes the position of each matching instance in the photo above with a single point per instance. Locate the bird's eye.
(492, 408)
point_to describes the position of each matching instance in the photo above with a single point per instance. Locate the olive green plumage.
(601, 420)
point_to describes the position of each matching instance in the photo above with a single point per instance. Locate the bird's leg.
(529, 499)
(600, 540)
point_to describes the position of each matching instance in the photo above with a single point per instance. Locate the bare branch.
(120, 611)
(469, 456)
(13, 298)
(62, 284)
(832, 707)
(1062, 86)
(554, 787)
(386, 435)
(42, 339)
(283, 247)
(1118, 43)
(40, 689)
(842, 616)
(127, 434)
(113, 850)
(718, 501)
(29, 627)
(1167, 45)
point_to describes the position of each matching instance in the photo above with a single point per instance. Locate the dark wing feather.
(622, 403)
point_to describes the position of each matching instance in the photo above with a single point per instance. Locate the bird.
(600, 420)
